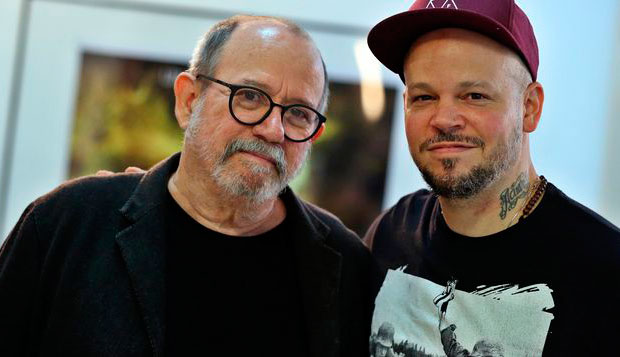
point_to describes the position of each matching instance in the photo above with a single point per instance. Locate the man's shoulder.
(408, 208)
(586, 234)
(403, 217)
(578, 217)
(109, 191)
(412, 202)
(87, 193)
(85, 207)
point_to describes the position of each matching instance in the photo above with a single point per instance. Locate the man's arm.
(19, 273)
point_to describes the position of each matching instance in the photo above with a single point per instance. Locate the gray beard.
(240, 186)
(256, 191)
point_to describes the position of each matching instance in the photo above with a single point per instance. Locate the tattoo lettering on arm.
(509, 197)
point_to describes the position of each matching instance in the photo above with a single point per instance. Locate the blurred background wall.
(84, 84)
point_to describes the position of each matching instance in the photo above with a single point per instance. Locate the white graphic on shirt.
(442, 300)
(414, 316)
(430, 5)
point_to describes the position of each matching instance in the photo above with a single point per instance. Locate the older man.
(209, 252)
(531, 269)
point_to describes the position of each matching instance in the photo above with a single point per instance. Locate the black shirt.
(228, 295)
(547, 285)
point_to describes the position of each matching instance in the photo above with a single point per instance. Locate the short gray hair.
(208, 49)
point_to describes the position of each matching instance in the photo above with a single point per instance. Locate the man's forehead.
(463, 44)
(463, 36)
(269, 32)
(468, 59)
(482, 44)
(262, 35)
(463, 84)
(271, 55)
(263, 29)
(273, 68)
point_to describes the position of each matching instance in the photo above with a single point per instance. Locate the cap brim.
(391, 39)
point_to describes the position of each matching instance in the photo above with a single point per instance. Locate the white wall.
(575, 146)
(577, 42)
(610, 192)
(9, 24)
(344, 13)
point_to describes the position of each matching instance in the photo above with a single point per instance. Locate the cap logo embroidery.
(448, 4)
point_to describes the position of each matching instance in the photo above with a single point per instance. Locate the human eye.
(419, 99)
(422, 98)
(250, 95)
(475, 96)
(300, 116)
(249, 98)
(299, 113)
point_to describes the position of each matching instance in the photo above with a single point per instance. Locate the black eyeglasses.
(251, 106)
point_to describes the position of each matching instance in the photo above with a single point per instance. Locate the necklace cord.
(531, 199)
(540, 189)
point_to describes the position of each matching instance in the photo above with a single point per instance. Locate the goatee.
(453, 186)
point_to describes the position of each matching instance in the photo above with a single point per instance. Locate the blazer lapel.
(142, 245)
(319, 271)
(142, 249)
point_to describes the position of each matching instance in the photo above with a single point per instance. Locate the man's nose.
(447, 117)
(271, 129)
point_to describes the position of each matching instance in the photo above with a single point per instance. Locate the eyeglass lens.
(249, 106)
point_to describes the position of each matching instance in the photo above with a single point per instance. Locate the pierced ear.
(185, 92)
(533, 103)
(318, 133)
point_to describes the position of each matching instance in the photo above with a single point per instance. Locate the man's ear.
(316, 136)
(533, 100)
(185, 92)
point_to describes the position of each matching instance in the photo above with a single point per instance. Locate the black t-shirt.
(230, 296)
(548, 285)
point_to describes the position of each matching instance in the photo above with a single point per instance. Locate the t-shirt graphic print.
(417, 317)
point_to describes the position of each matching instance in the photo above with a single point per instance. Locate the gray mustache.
(258, 146)
(450, 137)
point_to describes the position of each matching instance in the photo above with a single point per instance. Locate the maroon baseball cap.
(501, 20)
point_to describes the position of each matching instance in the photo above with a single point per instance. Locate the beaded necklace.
(532, 199)
(540, 189)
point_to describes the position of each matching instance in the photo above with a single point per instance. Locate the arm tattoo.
(509, 197)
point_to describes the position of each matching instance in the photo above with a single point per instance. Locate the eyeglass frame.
(234, 88)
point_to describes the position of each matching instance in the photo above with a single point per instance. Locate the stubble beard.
(467, 185)
(257, 183)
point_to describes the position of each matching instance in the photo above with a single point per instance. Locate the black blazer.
(82, 272)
